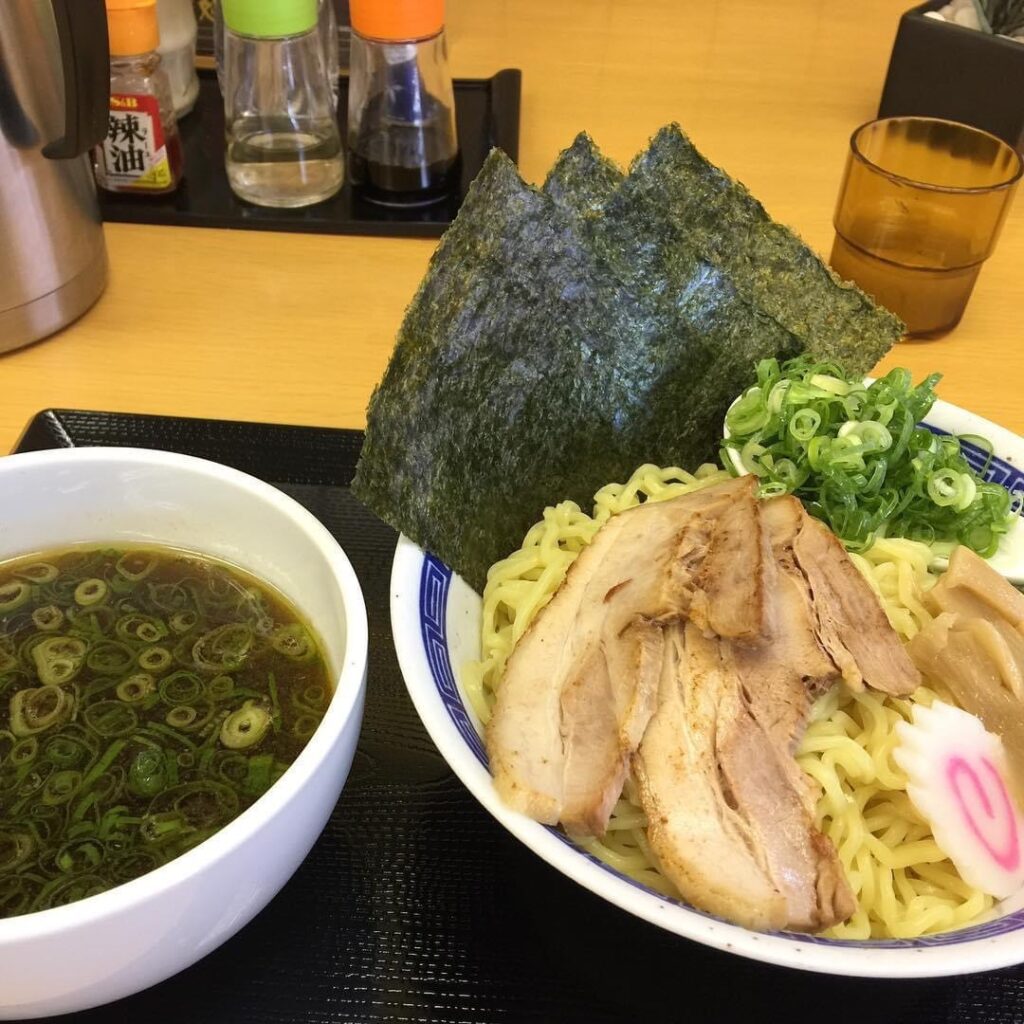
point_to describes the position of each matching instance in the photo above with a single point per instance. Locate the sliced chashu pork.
(725, 821)
(729, 588)
(851, 623)
(784, 674)
(756, 801)
(756, 586)
(581, 684)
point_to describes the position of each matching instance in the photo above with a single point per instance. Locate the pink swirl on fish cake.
(1007, 854)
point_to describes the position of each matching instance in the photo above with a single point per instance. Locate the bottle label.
(134, 153)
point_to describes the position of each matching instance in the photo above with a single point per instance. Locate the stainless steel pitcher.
(54, 101)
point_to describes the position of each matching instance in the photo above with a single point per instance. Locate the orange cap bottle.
(132, 27)
(397, 21)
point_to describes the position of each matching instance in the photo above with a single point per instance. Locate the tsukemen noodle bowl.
(182, 664)
(438, 621)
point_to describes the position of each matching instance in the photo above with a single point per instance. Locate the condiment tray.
(486, 113)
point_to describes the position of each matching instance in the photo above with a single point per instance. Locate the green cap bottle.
(270, 19)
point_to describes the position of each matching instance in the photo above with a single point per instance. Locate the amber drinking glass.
(920, 209)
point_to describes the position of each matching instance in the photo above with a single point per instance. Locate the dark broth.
(147, 697)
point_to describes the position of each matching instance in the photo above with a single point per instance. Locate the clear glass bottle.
(403, 147)
(328, 32)
(177, 49)
(283, 145)
(142, 151)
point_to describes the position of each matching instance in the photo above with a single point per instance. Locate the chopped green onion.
(245, 727)
(315, 695)
(91, 621)
(37, 572)
(830, 384)
(24, 752)
(58, 659)
(90, 592)
(13, 595)
(68, 750)
(15, 848)
(259, 775)
(223, 649)
(135, 626)
(304, 726)
(294, 642)
(855, 454)
(159, 828)
(40, 708)
(48, 617)
(61, 787)
(154, 659)
(135, 687)
(139, 712)
(181, 715)
(135, 565)
(181, 687)
(804, 424)
(220, 687)
(110, 718)
(182, 622)
(147, 774)
(110, 658)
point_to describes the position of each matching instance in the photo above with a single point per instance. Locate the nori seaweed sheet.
(520, 366)
(719, 220)
(542, 358)
(624, 224)
(582, 179)
(768, 263)
(562, 337)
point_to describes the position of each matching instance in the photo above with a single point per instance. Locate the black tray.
(486, 113)
(415, 907)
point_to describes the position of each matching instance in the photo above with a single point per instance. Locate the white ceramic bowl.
(436, 618)
(125, 939)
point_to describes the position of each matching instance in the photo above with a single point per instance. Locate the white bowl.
(435, 618)
(125, 939)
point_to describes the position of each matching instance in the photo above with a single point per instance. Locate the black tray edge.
(293, 453)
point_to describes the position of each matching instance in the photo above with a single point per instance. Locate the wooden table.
(292, 328)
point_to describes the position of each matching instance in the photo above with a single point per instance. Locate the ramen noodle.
(903, 883)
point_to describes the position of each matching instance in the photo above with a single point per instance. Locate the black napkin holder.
(938, 69)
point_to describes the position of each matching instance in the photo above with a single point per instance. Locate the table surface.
(298, 328)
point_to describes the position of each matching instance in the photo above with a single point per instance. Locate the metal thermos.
(54, 102)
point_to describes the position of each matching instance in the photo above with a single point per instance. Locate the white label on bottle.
(134, 152)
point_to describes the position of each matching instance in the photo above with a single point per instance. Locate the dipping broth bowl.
(145, 930)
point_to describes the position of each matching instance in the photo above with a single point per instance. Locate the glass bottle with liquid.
(328, 33)
(403, 148)
(283, 145)
(177, 50)
(142, 151)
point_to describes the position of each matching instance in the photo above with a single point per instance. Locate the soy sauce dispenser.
(403, 149)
